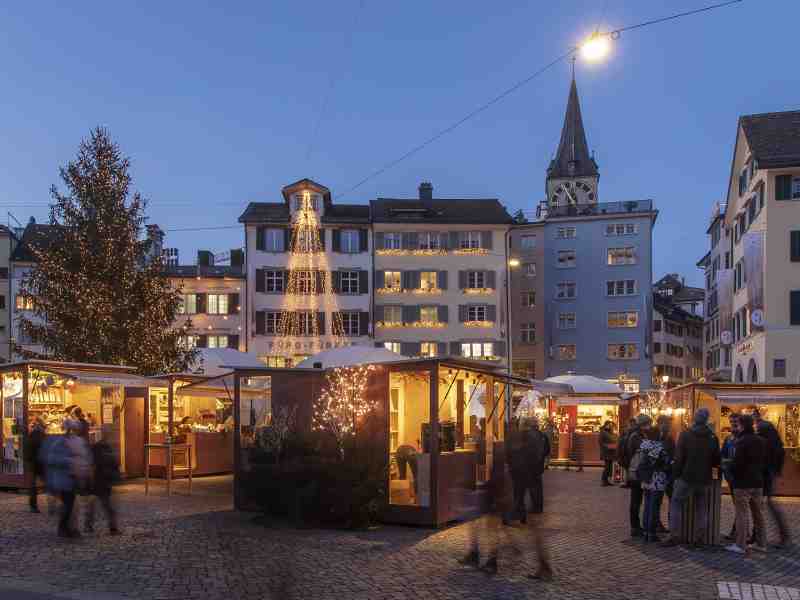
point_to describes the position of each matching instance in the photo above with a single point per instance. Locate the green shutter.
(783, 187)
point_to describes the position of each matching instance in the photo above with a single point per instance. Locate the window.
(620, 229)
(476, 279)
(657, 325)
(217, 341)
(565, 259)
(189, 341)
(2, 302)
(275, 282)
(429, 314)
(621, 287)
(428, 241)
(528, 335)
(477, 350)
(657, 348)
(392, 280)
(188, 305)
(428, 280)
(350, 241)
(743, 181)
(312, 202)
(794, 246)
(795, 187)
(477, 313)
(306, 321)
(565, 290)
(779, 367)
(348, 282)
(272, 322)
(794, 307)
(751, 211)
(469, 239)
(787, 187)
(427, 349)
(628, 318)
(530, 269)
(623, 351)
(24, 302)
(217, 304)
(525, 368)
(527, 242)
(350, 321)
(274, 240)
(392, 241)
(565, 233)
(566, 320)
(3, 272)
(528, 299)
(622, 256)
(566, 352)
(392, 314)
(392, 347)
(305, 282)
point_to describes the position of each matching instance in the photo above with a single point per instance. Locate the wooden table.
(185, 449)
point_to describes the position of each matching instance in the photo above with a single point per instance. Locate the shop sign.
(745, 348)
(726, 337)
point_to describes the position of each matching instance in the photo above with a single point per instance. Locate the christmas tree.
(100, 295)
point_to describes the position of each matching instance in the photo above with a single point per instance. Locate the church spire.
(573, 158)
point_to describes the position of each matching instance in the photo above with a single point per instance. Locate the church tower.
(572, 176)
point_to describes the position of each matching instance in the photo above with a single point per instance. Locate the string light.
(343, 402)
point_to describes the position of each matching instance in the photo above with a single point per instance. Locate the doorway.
(133, 426)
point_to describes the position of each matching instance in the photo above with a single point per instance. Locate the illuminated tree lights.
(343, 402)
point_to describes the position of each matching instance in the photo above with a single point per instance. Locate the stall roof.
(49, 364)
(597, 400)
(351, 356)
(219, 361)
(586, 384)
(744, 397)
(114, 378)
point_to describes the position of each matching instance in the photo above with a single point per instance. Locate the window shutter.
(491, 280)
(233, 342)
(408, 314)
(201, 303)
(794, 302)
(363, 323)
(491, 313)
(379, 240)
(336, 281)
(486, 240)
(455, 348)
(363, 240)
(260, 235)
(416, 279)
(379, 345)
(406, 280)
(321, 323)
(363, 282)
(442, 313)
(260, 280)
(323, 233)
(462, 280)
(499, 349)
(379, 313)
(202, 341)
(441, 280)
(233, 304)
(462, 313)
(783, 187)
(380, 280)
(416, 313)
(443, 241)
(454, 237)
(286, 246)
(336, 244)
(795, 246)
(441, 349)
(410, 241)
(261, 322)
(320, 275)
(285, 278)
(410, 348)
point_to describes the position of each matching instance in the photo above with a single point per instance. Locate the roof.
(440, 210)
(217, 361)
(680, 292)
(278, 212)
(586, 384)
(349, 356)
(215, 272)
(670, 310)
(346, 213)
(572, 157)
(35, 237)
(774, 138)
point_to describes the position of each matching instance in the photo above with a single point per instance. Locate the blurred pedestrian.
(519, 467)
(62, 476)
(727, 454)
(696, 455)
(653, 474)
(537, 447)
(607, 441)
(622, 457)
(82, 425)
(34, 466)
(632, 443)
(106, 473)
(776, 455)
(749, 465)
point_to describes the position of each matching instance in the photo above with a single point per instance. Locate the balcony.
(602, 208)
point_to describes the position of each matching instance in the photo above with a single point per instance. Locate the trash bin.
(711, 535)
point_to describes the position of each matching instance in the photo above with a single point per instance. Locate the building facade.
(677, 331)
(527, 299)
(308, 265)
(595, 265)
(755, 271)
(440, 268)
(8, 241)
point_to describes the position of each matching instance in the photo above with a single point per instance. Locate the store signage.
(745, 348)
(726, 337)
(757, 317)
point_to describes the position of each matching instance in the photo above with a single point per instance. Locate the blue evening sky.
(219, 104)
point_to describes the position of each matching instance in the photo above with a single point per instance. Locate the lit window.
(528, 242)
(621, 287)
(392, 241)
(392, 314)
(350, 241)
(566, 259)
(187, 342)
(623, 351)
(530, 269)
(304, 282)
(217, 341)
(625, 319)
(217, 304)
(348, 282)
(477, 350)
(429, 314)
(391, 280)
(476, 279)
(528, 299)
(24, 302)
(428, 280)
(566, 320)
(565, 290)
(622, 256)
(306, 321)
(188, 305)
(274, 281)
(427, 349)
(528, 333)
(566, 352)
(274, 240)
(476, 313)
(392, 347)
(469, 240)
(350, 322)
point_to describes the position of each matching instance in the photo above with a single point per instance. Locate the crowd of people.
(653, 466)
(72, 468)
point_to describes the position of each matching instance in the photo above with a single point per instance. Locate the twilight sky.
(219, 105)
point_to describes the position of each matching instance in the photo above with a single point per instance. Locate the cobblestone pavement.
(198, 547)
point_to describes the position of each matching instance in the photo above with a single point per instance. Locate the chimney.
(426, 190)
(205, 258)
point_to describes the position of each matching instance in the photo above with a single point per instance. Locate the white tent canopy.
(218, 361)
(588, 389)
(349, 356)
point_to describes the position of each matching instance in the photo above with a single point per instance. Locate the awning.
(753, 398)
(595, 400)
(105, 379)
(222, 387)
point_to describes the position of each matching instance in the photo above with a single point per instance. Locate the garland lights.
(343, 402)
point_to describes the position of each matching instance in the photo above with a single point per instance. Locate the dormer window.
(299, 201)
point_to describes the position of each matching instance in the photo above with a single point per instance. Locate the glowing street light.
(596, 47)
(513, 262)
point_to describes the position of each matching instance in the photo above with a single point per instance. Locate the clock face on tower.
(568, 192)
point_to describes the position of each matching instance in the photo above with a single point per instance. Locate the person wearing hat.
(697, 453)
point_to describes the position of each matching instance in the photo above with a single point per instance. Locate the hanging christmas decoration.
(344, 402)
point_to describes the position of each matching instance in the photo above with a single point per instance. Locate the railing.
(602, 208)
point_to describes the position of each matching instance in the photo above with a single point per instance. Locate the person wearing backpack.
(774, 465)
(653, 474)
(635, 438)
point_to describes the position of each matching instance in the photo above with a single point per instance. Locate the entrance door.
(134, 436)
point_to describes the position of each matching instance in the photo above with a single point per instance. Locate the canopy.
(222, 387)
(104, 379)
(349, 356)
(218, 361)
(551, 388)
(765, 397)
(597, 400)
(586, 384)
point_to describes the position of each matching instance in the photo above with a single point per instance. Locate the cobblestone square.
(197, 547)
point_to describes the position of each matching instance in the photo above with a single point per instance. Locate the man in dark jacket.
(634, 440)
(538, 449)
(774, 466)
(106, 472)
(34, 466)
(622, 459)
(749, 464)
(696, 455)
(607, 442)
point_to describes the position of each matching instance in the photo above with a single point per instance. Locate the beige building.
(7, 244)
(677, 331)
(527, 299)
(761, 233)
(439, 272)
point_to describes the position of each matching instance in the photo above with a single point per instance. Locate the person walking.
(608, 443)
(727, 454)
(622, 458)
(106, 472)
(653, 474)
(749, 464)
(519, 469)
(632, 443)
(776, 455)
(537, 448)
(34, 466)
(61, 481)
(697, 453)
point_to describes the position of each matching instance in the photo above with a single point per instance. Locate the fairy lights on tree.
(344, 402)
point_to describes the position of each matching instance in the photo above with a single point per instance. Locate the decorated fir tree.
(99, 295)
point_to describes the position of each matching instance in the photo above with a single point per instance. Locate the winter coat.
(59, 466)
(33, 446)
(696, 454)
(727, 453)
(537, 448)
(749, 462)
(655, 454)
(606, 441)
(106, 468)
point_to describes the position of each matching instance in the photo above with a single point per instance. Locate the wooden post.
(168, 438)
(24, 432)
(434, 441)
(237, 442)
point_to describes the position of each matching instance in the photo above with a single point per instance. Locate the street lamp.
(513, 262)
(596, 47)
